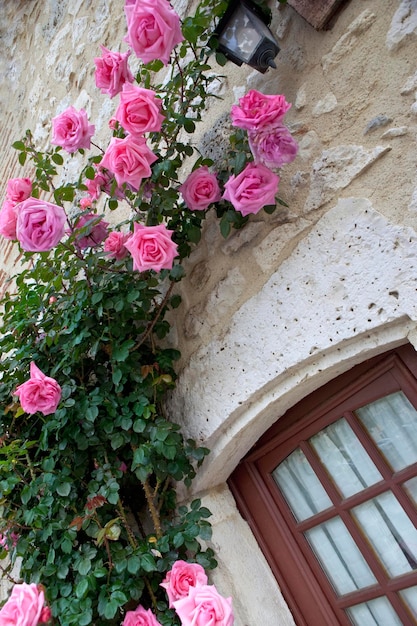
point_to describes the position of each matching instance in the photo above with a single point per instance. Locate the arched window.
(330, 492)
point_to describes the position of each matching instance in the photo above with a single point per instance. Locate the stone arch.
(346, 293)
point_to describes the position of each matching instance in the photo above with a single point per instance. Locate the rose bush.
(90, 462)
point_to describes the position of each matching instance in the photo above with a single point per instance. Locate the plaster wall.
(297, 297)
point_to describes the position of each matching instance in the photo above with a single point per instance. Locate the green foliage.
(90, 490)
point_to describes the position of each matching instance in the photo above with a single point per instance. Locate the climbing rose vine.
(89, 460)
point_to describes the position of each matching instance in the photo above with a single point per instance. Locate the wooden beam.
(318, 13)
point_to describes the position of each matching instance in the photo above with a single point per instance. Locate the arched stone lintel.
(347, 292)
(229, 445)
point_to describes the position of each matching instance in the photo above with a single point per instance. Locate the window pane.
(300, 486)
(411, 488)
(345, 458)
(391, 422)
(378, 612)
(410, 598)
(340, 557)
(390, 531)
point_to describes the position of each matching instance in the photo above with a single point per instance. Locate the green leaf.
(57, 158)
(110, 609)
(189, 125)
(133, 564)
(148, 563)
(90, 172)
(120, 353)
(225, 227)
(18, 145)
(22, 158)
(84, 566)
(64, 489)
(117, 376)
(221, 59)
(81, 588)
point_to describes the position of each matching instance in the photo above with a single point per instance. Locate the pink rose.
(18, 189)
(180, 578)
(86, 203)
(153, 29)
(204, 606)
(139, 110)
(200, 189)
(257, 110)
(94, 230)
(71, 130)
(24, 607)
(129, 159)
(115, 245)
(112, 71)
(273, 147)
(40, 225)
(8, 220)
(140, 617)
(151, 248)
(39, 393)
(252, 189)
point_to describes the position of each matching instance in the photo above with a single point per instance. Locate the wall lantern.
(244, 37)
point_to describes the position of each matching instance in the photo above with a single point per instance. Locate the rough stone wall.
(297, 297)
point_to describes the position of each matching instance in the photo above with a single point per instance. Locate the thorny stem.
(30, 466)
(152, 509)
(157, 316)
(130, 534)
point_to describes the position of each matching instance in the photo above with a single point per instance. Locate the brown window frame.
(299, 575)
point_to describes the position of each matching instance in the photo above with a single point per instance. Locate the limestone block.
(335, 170)
(403, 25)
(301, 98)
(326, 105)
(248, 579)
(377, 122)
(241, 237)
(309, 145)
(409, 86)
(269, 252)
(398, 131)
(349, 40)
(218, 305)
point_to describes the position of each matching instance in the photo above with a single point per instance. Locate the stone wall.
(297, 297)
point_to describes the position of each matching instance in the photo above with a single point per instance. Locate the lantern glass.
(245, 38)
(240, 35)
